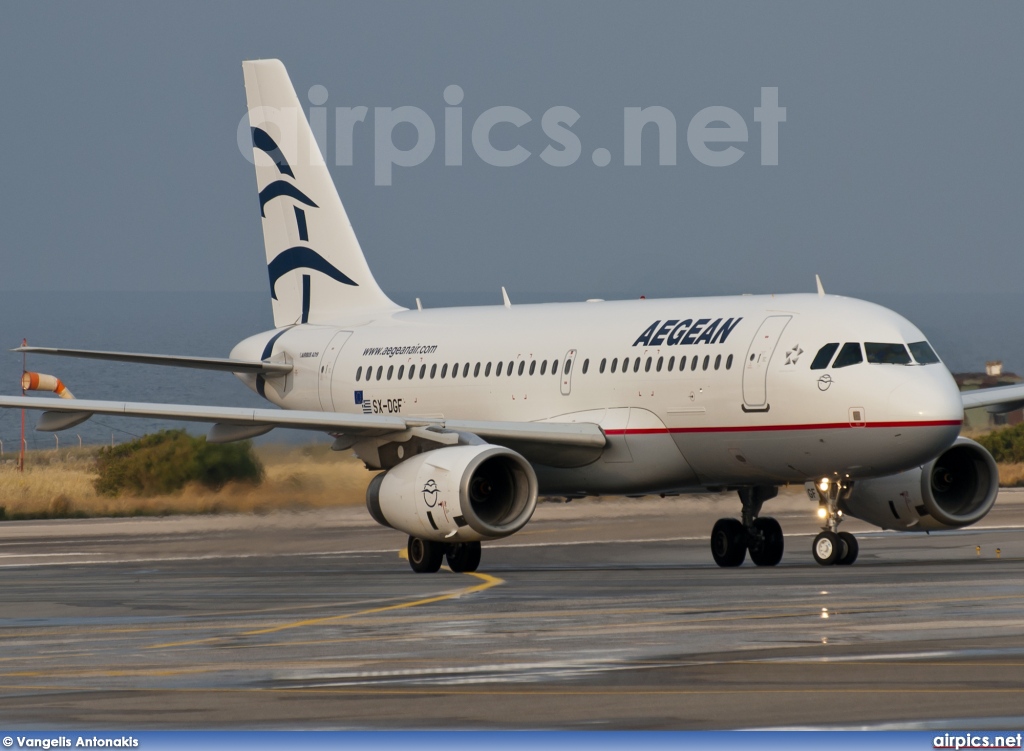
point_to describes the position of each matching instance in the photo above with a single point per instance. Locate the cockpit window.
(887, 354)
(850, 354)
(923, 353)
(824, 356)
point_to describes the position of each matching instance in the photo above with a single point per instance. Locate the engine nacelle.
(456, 494)
(955, 489)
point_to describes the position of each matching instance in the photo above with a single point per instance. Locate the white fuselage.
(716, 391)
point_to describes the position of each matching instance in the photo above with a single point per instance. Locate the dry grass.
(59, 484)
(1011, 475)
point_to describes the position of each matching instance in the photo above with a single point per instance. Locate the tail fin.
(317, 270)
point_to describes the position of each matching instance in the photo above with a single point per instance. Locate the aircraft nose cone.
(928, 397)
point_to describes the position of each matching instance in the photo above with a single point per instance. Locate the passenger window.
(604, 361)
(824, 356)
(380, 372)
(433, 371)
(636, 365)
(543, 367)
(568, 367)
(671, 362)
(647, 365)
(476, 371)
(693, 363)
(455, 370)
(615, 362)
(497, 370)
(423, 371)
(728, 362)
(401, 372)
(682, 363)
(465, 370)
(510, 365)
(850, 354)
(887, 354)
(923, 353)
(586, 366)
(533, 366)
(522, 366)
(391, 370)
(412, 371)
(707, 361)
(359, 373)
(554, 367)
(444, 370)
(718, 361)
(487, 370)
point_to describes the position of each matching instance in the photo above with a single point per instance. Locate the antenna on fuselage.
(419, 305)
(821, 290)
(504, 297)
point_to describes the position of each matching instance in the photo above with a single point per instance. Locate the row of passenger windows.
(877, 352)
(627, 364)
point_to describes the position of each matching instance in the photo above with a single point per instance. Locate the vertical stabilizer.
(317, 270)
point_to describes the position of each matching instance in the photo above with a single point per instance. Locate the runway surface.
(604, 615)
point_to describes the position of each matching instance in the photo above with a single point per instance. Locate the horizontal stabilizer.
(202, 363)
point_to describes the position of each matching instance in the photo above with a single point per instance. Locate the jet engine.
(955, 489)
(456, 494)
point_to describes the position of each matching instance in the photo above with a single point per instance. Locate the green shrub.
(166, 461)
(1006, 445)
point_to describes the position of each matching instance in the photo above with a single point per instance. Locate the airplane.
(469, 414)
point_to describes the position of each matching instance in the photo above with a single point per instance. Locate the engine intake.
(456, 494)
(955, 489)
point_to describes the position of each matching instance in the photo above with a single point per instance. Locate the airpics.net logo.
(716, 136)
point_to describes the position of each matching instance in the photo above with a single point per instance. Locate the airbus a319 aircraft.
(473, 412)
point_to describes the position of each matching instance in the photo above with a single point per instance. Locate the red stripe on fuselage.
(760, 428)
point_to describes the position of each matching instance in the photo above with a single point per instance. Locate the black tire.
(463, 557)
(766, 549)
(852, 548)
(827, 548)
(425, 556)
(728, 543)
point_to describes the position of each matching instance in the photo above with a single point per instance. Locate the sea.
(965, 329)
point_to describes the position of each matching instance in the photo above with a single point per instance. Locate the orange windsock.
(43, 382)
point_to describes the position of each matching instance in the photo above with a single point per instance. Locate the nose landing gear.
(761, 536)
(831, 546)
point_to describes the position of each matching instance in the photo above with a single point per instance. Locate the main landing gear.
(832, 546)
(425, 556)
(761, 536)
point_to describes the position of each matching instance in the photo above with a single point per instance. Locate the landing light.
(823, 484)
(822, 513)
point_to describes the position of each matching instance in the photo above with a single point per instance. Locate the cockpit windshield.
(887, 354)
(923, 353)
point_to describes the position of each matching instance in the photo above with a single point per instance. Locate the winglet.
(504, 297)
(821, 290)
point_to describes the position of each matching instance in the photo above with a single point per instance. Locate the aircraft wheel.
(463, 557)
(728, 543)
(852, 548)
(827, 548)
(766, 549)
(425, 555)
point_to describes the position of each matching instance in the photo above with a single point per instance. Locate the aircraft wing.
(234, 423)
(998, 399)
(202, 363)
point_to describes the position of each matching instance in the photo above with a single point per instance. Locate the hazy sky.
(900, 162)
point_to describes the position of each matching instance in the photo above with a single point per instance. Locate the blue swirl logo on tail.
(302, 258)
(298, 257)
(263, 141)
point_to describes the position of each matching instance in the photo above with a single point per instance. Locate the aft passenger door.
(327, 360)
(566, 375)
(755, 367)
